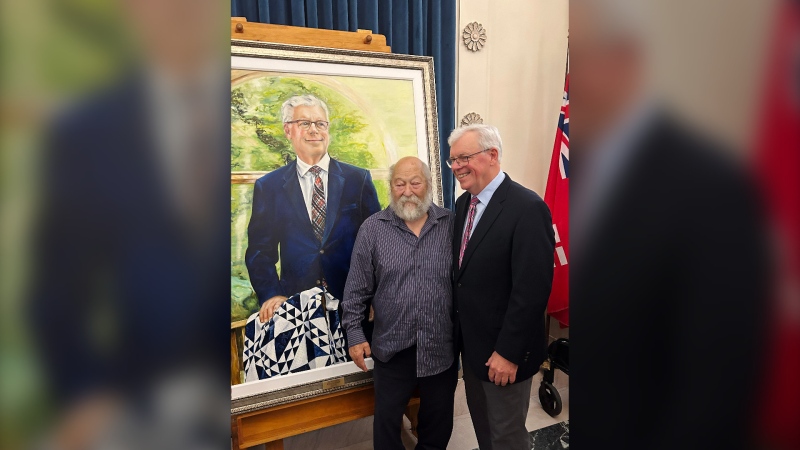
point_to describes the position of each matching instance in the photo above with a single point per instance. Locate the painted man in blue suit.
(306, 214)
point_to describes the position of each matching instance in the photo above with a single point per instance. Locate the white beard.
(421, 206)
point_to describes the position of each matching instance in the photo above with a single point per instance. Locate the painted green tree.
(243, 299)
(258, 141)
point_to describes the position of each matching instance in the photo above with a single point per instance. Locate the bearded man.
(401, 263)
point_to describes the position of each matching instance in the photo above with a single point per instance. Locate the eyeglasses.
(464, 159)
(306, 124)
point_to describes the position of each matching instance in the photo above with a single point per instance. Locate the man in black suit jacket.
(503, 245)
(283, 213)
(666, 265)
(130, 247)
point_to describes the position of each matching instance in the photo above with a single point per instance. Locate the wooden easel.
(271, 425)
(359, 40)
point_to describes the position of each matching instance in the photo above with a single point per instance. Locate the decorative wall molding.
(474, 36)
(471, 118)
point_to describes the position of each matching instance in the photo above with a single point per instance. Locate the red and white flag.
(556, 195)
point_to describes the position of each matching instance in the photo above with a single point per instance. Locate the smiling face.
(411, 195)
(310, 145)
(481, 168)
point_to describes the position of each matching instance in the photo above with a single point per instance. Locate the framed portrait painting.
(371, 110)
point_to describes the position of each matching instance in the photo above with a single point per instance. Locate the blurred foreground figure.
(668, 260)
(132, 245)
(778, 166)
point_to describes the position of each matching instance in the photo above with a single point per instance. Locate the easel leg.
(236, 360)
(412, 412)
(234, 435)
(274, 445)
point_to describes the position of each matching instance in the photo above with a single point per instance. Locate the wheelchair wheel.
(550, 399)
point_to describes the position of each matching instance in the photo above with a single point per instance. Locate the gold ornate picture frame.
(383, 107)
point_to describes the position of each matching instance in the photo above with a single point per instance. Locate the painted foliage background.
(372, 125)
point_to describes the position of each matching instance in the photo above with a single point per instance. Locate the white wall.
(516, 81)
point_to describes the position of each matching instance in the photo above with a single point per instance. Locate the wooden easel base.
(270, 426)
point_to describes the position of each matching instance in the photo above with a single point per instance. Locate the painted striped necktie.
(470, 218)
(318, 204)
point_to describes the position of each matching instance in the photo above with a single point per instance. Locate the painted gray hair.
(488, 137)
(287, 109)
(426, 171)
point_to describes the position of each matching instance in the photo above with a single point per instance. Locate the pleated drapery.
(413, 27)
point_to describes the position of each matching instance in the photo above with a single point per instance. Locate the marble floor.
(554, 437)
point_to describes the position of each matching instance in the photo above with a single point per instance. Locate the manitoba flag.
(556, 196)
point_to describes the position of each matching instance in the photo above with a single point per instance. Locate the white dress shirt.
(483, 199)
(306, 180)
(178, 110)
(606, 161)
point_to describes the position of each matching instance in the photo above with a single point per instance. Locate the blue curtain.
(414, 27)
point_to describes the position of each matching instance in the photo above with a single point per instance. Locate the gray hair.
(488, 137)
(287, 109)
(421, 206)
(426, 172)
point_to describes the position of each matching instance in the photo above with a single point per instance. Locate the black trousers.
(395, 381)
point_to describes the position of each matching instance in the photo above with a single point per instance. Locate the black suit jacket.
(109, 240)
(663, 302)
(502, 287)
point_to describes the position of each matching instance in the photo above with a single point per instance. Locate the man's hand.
(358, 352)
(85, 424)
(501, 370)
(269, 307)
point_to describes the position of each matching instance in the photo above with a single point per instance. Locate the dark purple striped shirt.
(408, 279)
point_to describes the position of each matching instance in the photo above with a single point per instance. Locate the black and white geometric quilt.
(303, 334)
